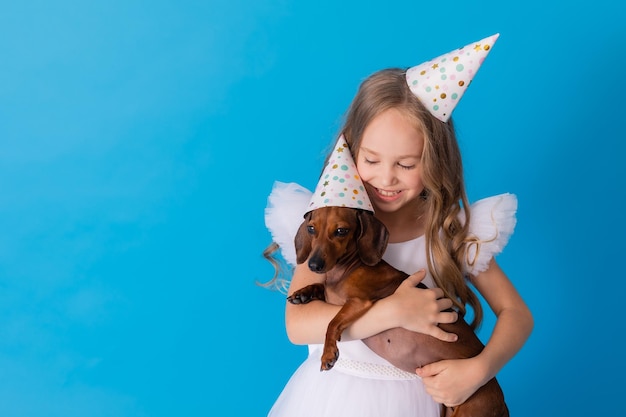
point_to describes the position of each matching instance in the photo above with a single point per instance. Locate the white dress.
(362, 384)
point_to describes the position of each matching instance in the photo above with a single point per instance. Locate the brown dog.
(347, 245)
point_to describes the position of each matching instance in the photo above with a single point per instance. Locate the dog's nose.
(316, 265)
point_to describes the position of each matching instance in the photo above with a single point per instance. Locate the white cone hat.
(440, 83)
(340, 184)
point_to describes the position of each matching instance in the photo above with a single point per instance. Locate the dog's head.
(331, 233)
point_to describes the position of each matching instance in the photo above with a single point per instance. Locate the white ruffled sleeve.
(284, 213)
(492, 222)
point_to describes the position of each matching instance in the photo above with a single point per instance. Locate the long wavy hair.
(444, 194)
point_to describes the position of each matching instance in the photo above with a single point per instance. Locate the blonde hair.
(444, 189)
(282, 270)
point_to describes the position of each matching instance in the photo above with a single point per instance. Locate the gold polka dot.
(443, 95)
(461, 83)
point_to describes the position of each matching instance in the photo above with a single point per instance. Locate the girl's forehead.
(392, 133)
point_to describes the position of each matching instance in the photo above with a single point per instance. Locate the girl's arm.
(514, 320)
(409, 307)
(451, 382)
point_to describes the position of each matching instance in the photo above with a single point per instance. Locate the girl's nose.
(388, 177)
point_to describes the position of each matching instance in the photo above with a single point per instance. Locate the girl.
(407, 156)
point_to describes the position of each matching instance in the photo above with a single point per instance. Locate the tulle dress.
(363, 384)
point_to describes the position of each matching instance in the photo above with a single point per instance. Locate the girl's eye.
(406, 166)
(367, 161)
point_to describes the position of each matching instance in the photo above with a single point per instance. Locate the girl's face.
(389, 161)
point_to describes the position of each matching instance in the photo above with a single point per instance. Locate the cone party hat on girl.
(340, 184)
(440, 83)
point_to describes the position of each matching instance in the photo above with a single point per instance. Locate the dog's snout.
(316, 265)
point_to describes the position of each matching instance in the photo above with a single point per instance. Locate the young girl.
(407, 156)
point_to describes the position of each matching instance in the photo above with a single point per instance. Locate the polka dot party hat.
(340, 184)
(441, 82)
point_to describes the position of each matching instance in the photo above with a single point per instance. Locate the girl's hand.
(421, 310)
(452, 382)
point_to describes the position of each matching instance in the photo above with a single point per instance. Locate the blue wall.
(139, 141)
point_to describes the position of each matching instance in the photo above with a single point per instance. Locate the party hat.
(440, 83)
(340, 184)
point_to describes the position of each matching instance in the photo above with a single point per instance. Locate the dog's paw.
(299, 298)
(307, 294)
(329, 359)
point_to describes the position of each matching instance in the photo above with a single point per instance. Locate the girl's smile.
(387, 195)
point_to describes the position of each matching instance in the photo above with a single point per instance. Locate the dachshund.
(347, 245)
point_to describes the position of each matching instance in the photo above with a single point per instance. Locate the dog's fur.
(347, 245)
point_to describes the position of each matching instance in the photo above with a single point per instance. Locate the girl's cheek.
(361, 170)
(364, 173)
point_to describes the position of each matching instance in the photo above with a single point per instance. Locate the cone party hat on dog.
(340, 184)
(440, 83)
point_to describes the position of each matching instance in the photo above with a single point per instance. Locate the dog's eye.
(342, 231)
(310, 229)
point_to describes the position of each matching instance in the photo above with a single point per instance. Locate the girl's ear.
(373, 238)
(303, 240)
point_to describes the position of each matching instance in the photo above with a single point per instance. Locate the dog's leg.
(350, 311)
(307, 294)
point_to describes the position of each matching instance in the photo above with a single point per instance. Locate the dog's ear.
(373, 238)
(303, 240)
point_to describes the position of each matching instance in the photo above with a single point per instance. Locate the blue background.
(139, 141)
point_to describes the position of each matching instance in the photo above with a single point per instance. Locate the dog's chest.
(334, 289)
